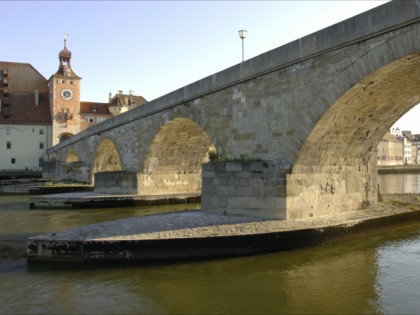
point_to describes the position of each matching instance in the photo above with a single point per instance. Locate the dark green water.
(379, 274)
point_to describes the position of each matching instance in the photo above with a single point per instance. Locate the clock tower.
(64, 96)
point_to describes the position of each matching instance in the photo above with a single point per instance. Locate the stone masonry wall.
(244, 188)
(116, 183)
(331, 190)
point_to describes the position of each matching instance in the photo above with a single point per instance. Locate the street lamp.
(242, 35)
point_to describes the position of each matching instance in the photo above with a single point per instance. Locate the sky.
(156, 47)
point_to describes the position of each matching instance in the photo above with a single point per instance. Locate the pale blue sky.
(155, 47)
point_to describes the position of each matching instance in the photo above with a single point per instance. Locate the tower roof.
(64, 56)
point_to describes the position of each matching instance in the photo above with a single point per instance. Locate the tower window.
(8, 131)
(41, 131)
(71, 82)
(63, 81)
(9, 145)
(13, 161)
(41, 145)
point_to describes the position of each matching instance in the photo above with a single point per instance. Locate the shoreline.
(198, 235)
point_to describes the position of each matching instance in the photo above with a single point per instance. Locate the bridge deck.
(197, 234)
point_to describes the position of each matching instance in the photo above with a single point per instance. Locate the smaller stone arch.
(65, 136)
(107, 158)
(173, 164)
(72, 156)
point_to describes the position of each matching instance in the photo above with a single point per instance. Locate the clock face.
(66, 94)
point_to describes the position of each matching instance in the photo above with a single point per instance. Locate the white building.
(408, 155)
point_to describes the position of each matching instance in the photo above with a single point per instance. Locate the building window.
(63, 81)
(8, 131)
(41, 131)
(8, 145)
(71, 82)
(89, 119)
(41, 145)
(13, 161)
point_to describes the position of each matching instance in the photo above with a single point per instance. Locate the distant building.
(25, 117)
(390, 150)
(407, 151)
(393, 150)
(36, 113)
(120, 103)
(93, 113)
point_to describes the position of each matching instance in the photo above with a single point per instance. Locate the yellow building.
(390, 150)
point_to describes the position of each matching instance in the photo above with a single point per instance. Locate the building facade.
(25, 118)
(390, 151)
(397, 150)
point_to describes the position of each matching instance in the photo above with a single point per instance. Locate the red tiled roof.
(17, 95)
(23, 78)
(22, 110)
(94, 108)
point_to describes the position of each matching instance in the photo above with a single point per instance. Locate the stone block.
(116, 183)
(225, 190)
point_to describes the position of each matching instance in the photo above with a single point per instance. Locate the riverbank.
(196, 234)
(399, 169)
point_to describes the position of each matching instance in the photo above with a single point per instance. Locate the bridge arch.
(338, 159)
(352, 127)
(72, 156)
(174, 158)
(65, 136)
(107, 158)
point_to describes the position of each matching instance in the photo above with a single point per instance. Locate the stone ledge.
(194, 234)
(96, 200)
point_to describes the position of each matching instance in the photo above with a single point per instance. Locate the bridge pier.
(245, 188)
(270, 190)
(331, 190)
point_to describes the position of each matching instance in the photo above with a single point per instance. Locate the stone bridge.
(291, 133)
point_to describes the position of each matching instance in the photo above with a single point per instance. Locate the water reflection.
(327, 280)
(399, 183)
(371, 275)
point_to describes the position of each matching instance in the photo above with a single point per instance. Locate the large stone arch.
(353, 126)
(174, 159)
(336, 166)
(107, 158)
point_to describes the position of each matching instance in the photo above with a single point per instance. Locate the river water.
(378, 274)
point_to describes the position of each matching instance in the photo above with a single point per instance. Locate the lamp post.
(242, 35)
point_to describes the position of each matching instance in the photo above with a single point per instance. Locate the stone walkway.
(192, 224)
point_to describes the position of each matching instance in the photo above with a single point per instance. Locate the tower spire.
(65, 55)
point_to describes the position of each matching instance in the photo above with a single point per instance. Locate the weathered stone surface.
(116, 183)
